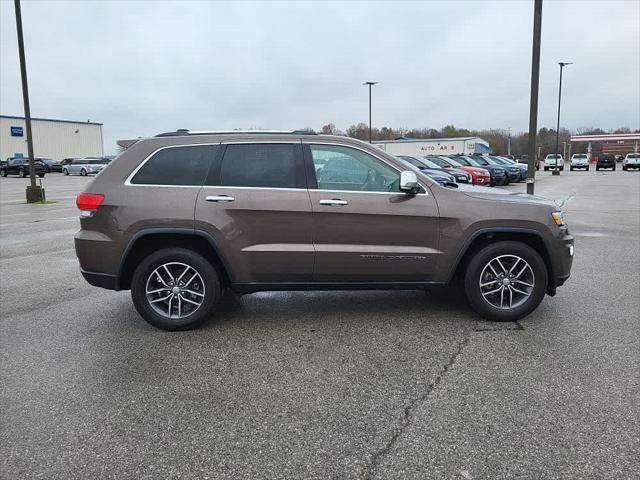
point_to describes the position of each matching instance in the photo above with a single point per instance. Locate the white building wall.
(440, 146)
(52, 139)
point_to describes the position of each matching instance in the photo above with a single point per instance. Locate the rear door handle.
(334, 201)
(219, 198)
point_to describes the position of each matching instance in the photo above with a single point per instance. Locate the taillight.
(89, 201)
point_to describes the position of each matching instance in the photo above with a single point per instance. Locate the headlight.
(558, 218)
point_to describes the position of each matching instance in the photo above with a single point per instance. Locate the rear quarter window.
(186, 165)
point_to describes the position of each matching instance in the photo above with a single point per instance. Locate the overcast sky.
(146, 67)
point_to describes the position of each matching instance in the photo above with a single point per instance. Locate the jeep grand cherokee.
(179, 217)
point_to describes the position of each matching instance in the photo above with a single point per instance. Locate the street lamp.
(556, 171)
(370, 85)
(34, 192)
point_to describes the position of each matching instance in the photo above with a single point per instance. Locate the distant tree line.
(497, 138)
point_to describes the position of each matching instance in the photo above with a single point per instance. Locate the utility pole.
(370, 85)
(509, 141)
(34, 192)
(556, 170)
(533, 109)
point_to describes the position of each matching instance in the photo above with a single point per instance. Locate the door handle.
(334, 201)
(219, 198)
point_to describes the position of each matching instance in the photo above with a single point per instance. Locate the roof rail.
(186, 132)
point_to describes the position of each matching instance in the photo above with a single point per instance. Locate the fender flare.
(173, 231)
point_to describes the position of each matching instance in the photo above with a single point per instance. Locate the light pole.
(556, 170)
(533, 105)
(370, 85)
(34, 192)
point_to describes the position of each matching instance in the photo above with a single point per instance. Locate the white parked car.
(84, 166)
(632, 160)
(554, 160)
(579, 160)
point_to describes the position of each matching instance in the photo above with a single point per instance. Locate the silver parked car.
(84, 166)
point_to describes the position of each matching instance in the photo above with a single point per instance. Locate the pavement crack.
(369, 470)
(566, 199)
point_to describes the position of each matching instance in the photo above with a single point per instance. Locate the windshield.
(413, 161)
(431, 164)
(438, 161)
(579, 156)
(633, 155)
(497, 161)
(478, 161)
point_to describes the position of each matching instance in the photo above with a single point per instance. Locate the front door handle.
(219, 198)
(334, 201)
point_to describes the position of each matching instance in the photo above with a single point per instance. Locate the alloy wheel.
(175, 290)
(507, 281)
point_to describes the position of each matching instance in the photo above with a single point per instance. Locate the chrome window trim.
(293, 142)
(309, 142)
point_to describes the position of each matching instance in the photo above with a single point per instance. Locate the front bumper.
(561, 260)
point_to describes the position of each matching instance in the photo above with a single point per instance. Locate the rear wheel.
(41, 175)
(22, 172)
(505, 281)
(83, 172)
(175, 289)
(3, 172)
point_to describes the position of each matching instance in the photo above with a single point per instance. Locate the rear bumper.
(102, 280)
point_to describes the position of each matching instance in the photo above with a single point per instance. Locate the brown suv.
(181, 216)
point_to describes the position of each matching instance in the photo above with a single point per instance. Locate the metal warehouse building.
(55, 139)
(434, 146)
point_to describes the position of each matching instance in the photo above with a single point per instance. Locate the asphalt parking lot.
(321, 385)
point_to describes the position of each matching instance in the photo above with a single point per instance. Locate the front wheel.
(23, 173)
(65, 171)
(175, 289)
(83, 172)
(505, 281)
(3, 172)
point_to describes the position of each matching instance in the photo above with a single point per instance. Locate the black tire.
(210, 281)
(562, 168)
(474, 272)
(546, 168)
(587, 169)
(65, 171)
(571, 169)
(3, 173)
(22, 172)
(41, 175)
(597, 168)
(83, 172)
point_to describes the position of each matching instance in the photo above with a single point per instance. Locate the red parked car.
(479, 176)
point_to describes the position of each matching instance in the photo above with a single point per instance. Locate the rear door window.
(262, 165)
(184, 165)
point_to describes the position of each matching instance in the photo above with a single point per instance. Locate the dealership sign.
(17, 132)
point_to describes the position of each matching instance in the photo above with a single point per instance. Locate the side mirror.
(408, 182)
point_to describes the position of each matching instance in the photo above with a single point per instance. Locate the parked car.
(523, 168)
(498, 173)
(20, 167)
(579, 160)
(513, 171)
(67, 161)
(250, 213)
(479, 176)
(459, 175)
(84, 166)
(606, 160)
(51, 165)
(632, 160)
(437, 174)
(525, 159)
(554, 161)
